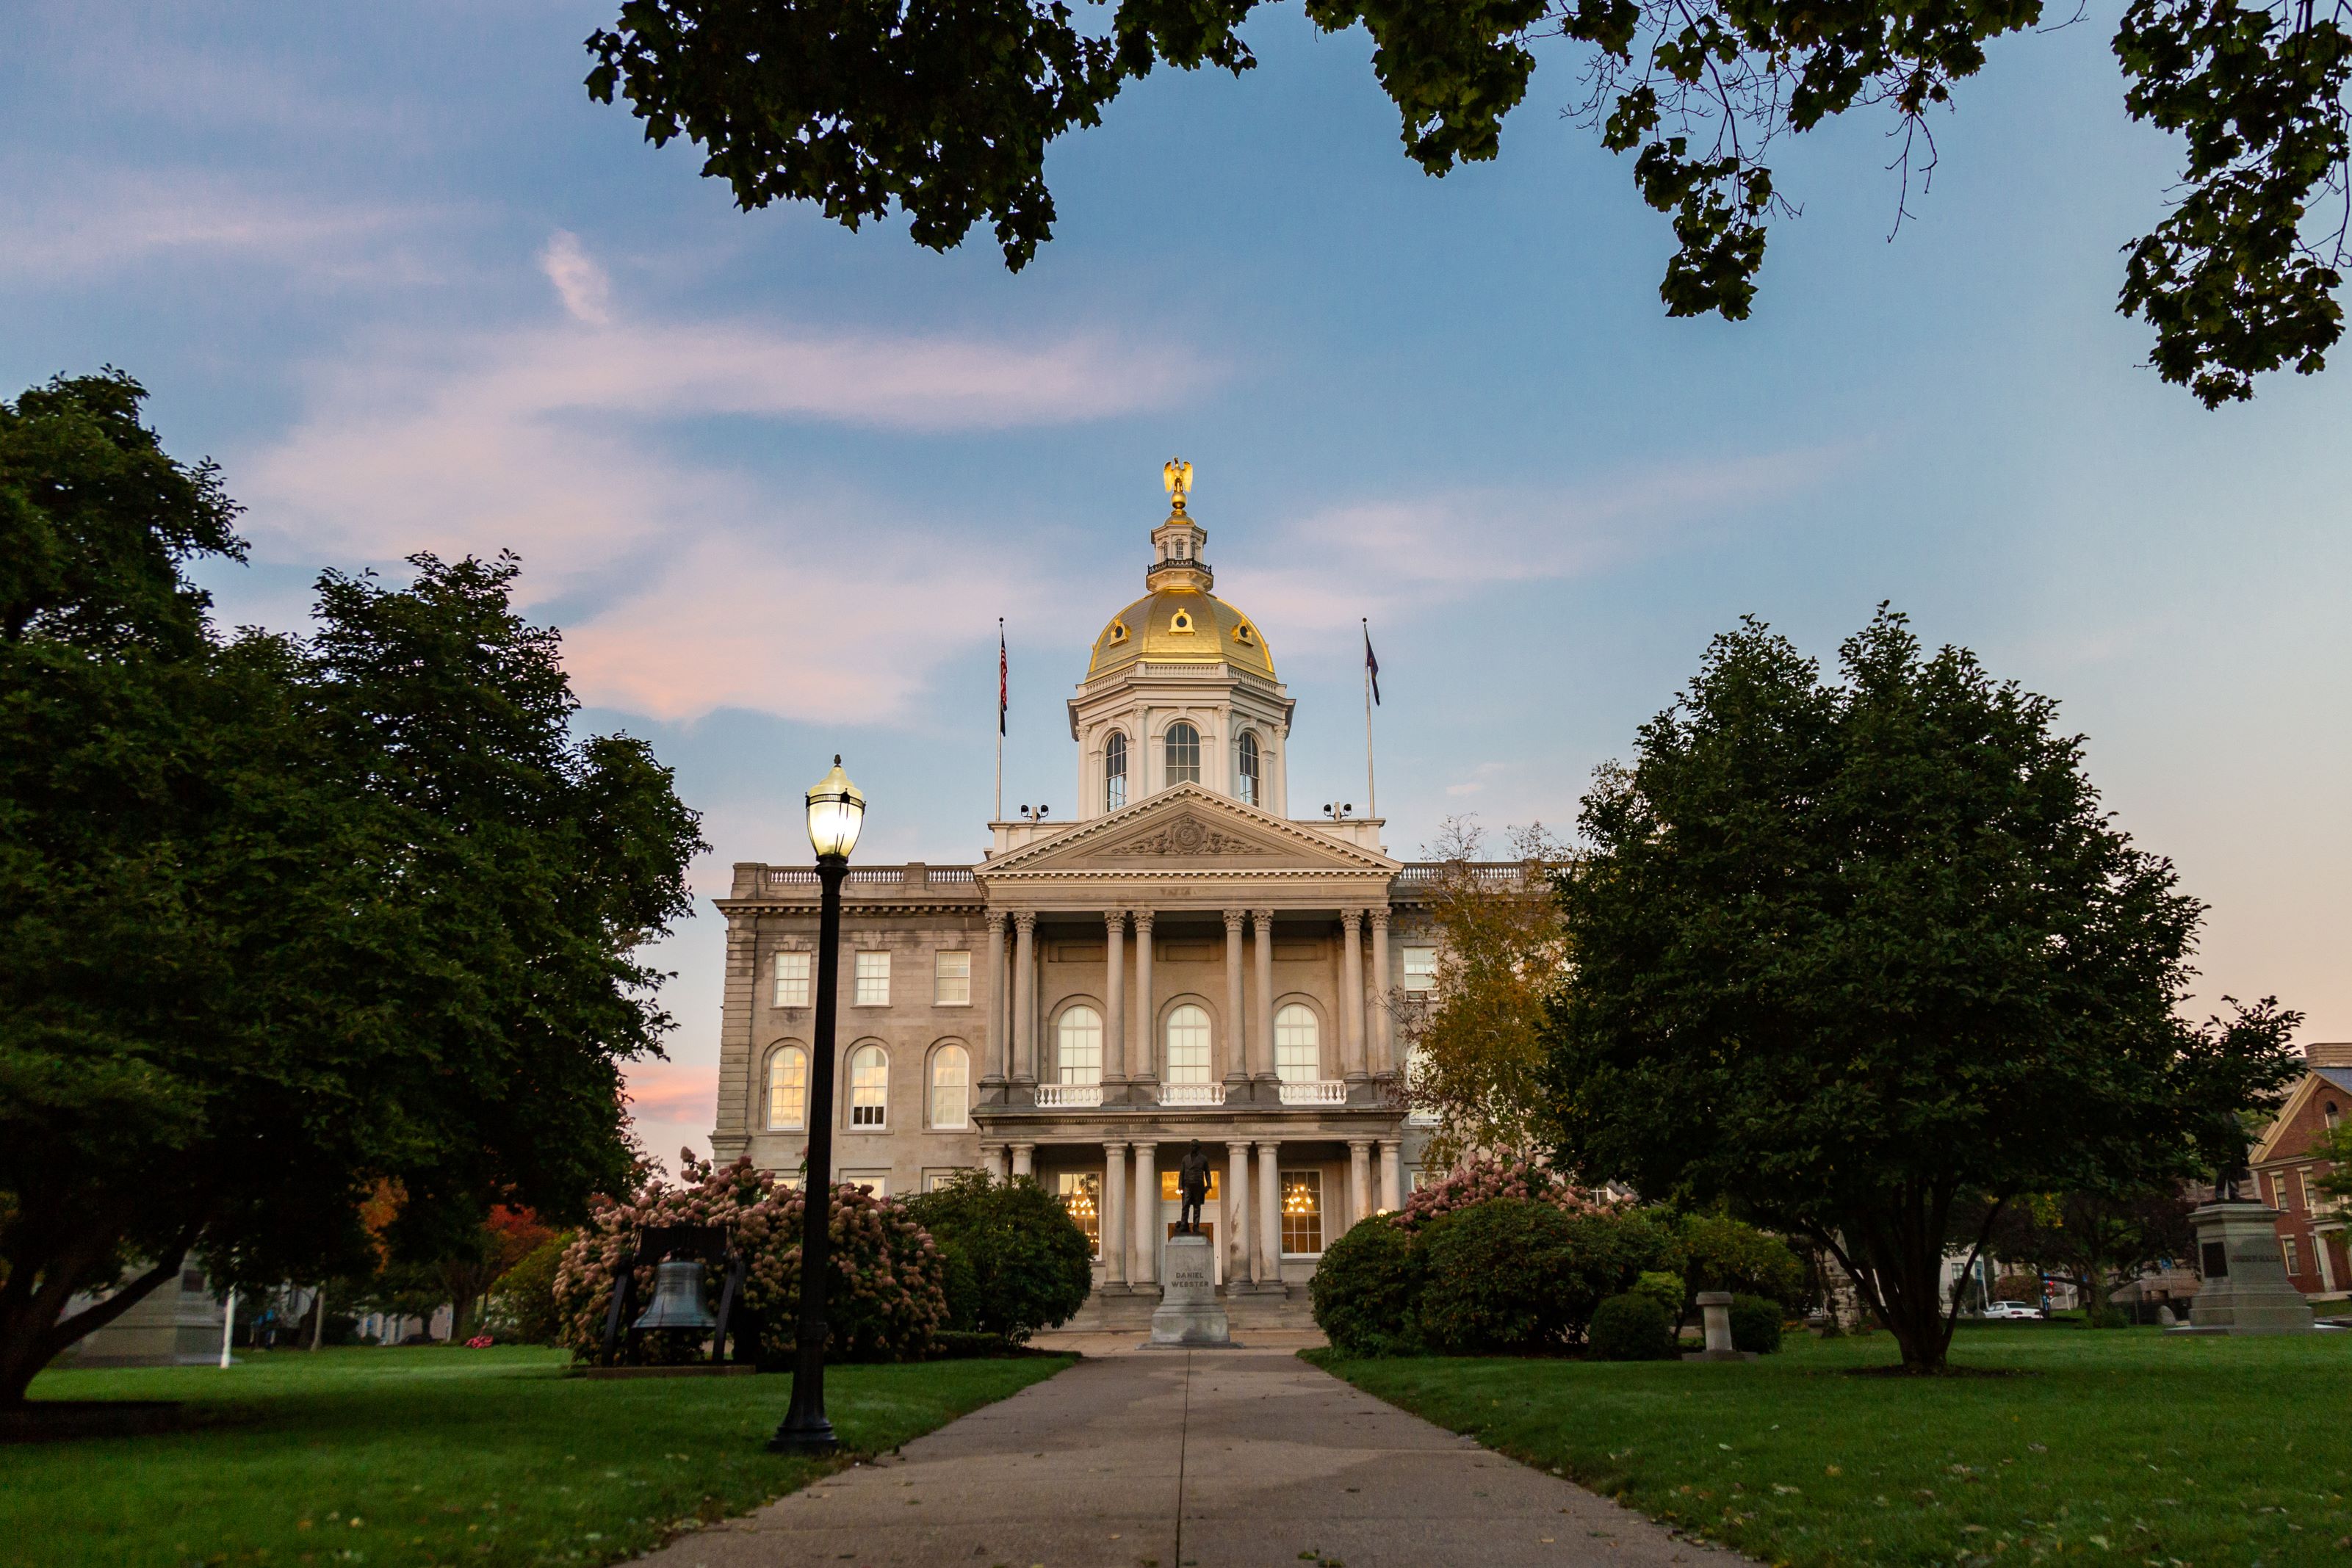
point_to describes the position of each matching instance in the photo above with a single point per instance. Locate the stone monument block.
(2246, 1290)
(1188, 1313)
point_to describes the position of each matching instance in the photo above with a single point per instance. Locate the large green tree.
(1852, 953)
(284, 923)
(946, 112)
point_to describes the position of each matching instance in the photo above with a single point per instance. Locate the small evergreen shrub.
(1016, 1261)
(1754, 1324)
(1630, 1327)
(1664, 1288)
(522, 1303)
(1493, 1276)
(1366, 1291)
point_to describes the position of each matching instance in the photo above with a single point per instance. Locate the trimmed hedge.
(1016, 1261)
(1367, 1289)
(1754, 1324)
(1632, 1327)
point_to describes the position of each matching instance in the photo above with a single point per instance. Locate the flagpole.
(1000, 720)
(1372, 791)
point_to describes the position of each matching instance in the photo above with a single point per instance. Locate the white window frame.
(1168, 752)
(1315, 1030)
(871, 986)
(1062, 1067)
(1070, 1184)
(952, 983)
(1208, 1064)
(875, 1182)
(880, 1121)
(1282, 1189)
(1115, 779)
(1249, 766)
(799, 1123)
(1426, 974)
(962, 1089)
(794, 971)
(2293, 1258)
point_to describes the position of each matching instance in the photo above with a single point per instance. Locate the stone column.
(1269, 1213)
(1237, 1043)
(1351, 993)
(1143, 1264)
(1360, 1180)
(1376, 999)
(1391, 1174)
(1000, 1011)
(1144, 1067)
(1112, 1221)
(1024, 997)
(992, 1160)
(1241, 1260)
(1022, 1159)
(1261, 1046)
(1114, 1001)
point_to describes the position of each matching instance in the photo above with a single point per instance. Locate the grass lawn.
(396, 1457)
(2109, 1445)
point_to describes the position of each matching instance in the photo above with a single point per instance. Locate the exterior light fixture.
(836, 812)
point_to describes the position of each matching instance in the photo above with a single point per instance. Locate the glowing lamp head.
(835, 811)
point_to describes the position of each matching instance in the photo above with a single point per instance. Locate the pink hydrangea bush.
(889, 1294)
(1476, 1180)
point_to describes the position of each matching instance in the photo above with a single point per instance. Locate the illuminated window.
(1078, 1046)
(951, 1077)
(874, 1183)
(1297, 1045)
(1081, 1194)
(1421, 969)
(1302, 1211)
(1187, 1045)
(1249, 769)
(1184, 754)
(873, 980)
(952, 979)
(793, 980)
(870, 1086)
(1169, 1192)
(788, 1090)
(1114, 770)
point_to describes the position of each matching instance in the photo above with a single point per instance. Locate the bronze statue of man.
(1192, 1187)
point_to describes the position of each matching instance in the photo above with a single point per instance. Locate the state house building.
(1181, 959)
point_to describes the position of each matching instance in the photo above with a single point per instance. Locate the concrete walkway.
(1173, 1459)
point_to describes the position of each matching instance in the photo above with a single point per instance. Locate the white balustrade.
(1192, 1094)
(1315, 1091)
(1067, 1094)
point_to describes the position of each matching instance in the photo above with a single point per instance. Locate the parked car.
(2013, 1311)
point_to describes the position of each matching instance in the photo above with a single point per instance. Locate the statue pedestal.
(1714, 1313)
(1188, 1313)
(2246, 1290)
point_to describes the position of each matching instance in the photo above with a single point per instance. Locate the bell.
(677, 1299)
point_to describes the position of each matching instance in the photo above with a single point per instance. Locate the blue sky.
(776, 481)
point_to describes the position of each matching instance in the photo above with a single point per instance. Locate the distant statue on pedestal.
(1191, 1188)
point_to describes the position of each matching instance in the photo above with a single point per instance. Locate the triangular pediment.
(1185, 829)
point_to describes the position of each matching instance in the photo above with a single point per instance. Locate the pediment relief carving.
(1190, 836)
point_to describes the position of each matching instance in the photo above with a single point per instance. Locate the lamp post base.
(798, 1436)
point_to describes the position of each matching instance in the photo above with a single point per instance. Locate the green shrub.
(1367, 1288)
(1493, 1275)
(1754, 1324)
(1664, 1288)
(1720, 1253)
(1016, 1262)
(1630, 1327)
(522, 1303)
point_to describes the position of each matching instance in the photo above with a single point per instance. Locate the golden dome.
(1181, 625)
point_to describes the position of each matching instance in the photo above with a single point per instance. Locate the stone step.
(1132, 1308)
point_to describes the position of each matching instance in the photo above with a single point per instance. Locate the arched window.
(1115, 771)
(1248, 790)
(1297, 1045)
(788, 1090)
(1187, 1045)
(1184, 754)
(869, 1085)
(1078, 1046)
(951, 1076)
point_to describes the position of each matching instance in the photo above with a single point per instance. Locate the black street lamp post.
(835, 811)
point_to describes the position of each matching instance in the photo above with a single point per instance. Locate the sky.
(776, 481)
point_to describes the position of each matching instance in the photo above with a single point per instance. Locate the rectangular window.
(1081, 1193)
(2278, 1190)
(1302, 1211)
(952, 979)
(873, 980)
(1168, 1193)
(2293, 1260)
(2303, 1179)
(935, 1179)
(793, 980)
(1421, 969)
(876, 1183)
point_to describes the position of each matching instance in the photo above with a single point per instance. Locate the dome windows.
(1244, 636)
(1115, 771)
(1183, 746)
(1246, 770)
(1117, 632)
(1180, 622)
